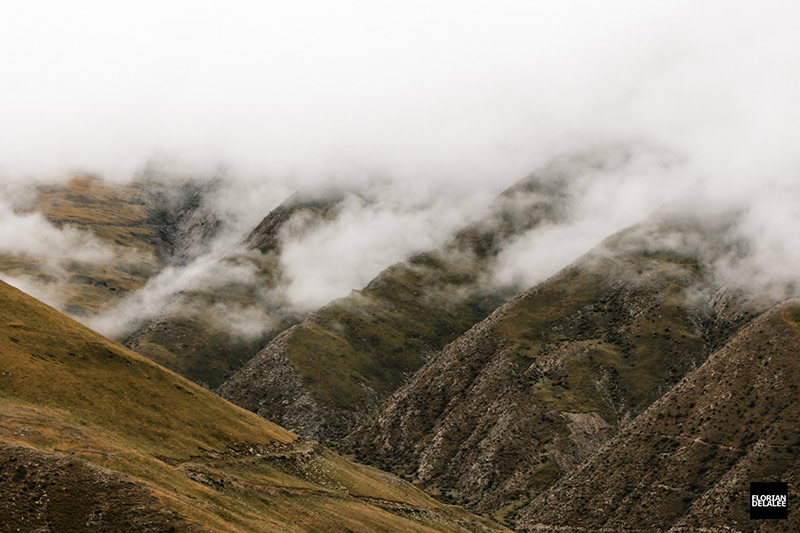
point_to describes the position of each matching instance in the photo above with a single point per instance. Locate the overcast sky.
(442, 104)
(462, 90)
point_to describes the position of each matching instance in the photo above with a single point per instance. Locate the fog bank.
(429, 109)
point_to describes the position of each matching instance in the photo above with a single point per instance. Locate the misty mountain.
(136, 230)
(324, 375)
(220, 320)
(534, 390)
(439, 370)
(291, 236)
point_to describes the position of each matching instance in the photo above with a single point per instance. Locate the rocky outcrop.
(184, 223)
(686, 463)
(270, 385)
(530, 393)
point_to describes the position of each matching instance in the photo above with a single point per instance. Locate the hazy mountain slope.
(225, 317)
(324, 375)
(688, 460)
(144, 225)
(165, 217)
(191, 457)
(537, 387)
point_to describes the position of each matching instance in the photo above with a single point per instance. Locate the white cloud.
(32, 236)
(440, 106)
(366, 237)
(614, 187)
(465, 91)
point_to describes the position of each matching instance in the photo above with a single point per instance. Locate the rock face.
(685, 464)
(183, 222)
(527, 395)
(279, 386)
(354, 353)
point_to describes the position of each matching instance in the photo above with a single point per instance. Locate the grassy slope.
(115, 213)
(64, 388)
(688, 460)
(43, 491)
(379, 335)
(124, 218)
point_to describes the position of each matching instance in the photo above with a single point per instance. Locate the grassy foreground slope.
(78, 411)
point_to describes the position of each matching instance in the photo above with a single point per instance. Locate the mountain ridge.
(686, 462)
(536, 388)
(375, 338)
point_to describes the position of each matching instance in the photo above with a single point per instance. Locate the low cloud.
(608, 188)
(247, 323)
(767, 261)
(367, 236)
(32, 236)
(146, 303)
(428, 112)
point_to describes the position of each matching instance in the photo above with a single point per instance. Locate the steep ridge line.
(530, 393)
(665, 470)
(325, 375)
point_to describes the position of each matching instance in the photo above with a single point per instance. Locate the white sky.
(437, 106)
(457, 90)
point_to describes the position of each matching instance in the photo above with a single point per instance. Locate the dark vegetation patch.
(43, 491)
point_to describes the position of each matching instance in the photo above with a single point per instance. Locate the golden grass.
(117, 217)
(210, 461)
